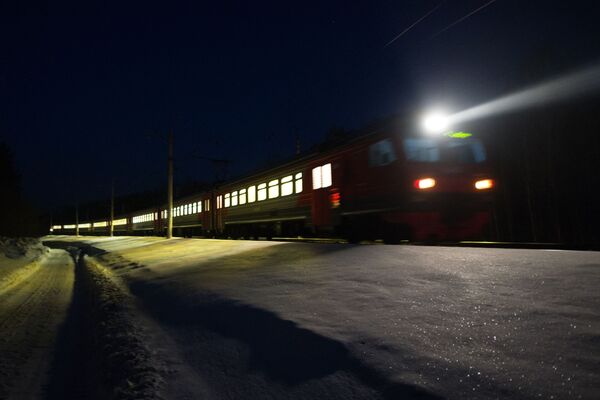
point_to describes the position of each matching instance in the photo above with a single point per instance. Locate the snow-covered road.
(33, 304)
(297, 320)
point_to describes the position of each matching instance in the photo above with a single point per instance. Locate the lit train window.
(326, 174)
(207, 205)
(262, 192)
(287, 186)
(251, 194)
(321, 176)
(274, 188)
(298, 182)
(227, 199)
(194, 208)
(316, 175)
(219, 201)
(242, 196)
(155, 216)
(234, 198)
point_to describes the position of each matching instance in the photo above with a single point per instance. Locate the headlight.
(484, 184)
(424, 183)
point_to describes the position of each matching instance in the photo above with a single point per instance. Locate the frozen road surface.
(258, 320)
(33, 304)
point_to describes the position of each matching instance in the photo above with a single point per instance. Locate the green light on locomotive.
(459, 135)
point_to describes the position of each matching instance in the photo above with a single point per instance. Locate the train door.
(321, 207)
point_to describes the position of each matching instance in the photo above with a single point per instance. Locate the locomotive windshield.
(463, 151)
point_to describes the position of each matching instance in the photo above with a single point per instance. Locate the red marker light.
(425, 183)
(484, 184)
(335, 199)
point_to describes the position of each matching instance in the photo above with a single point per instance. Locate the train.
(381, 184)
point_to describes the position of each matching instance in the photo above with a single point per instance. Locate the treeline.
(17, 217)
(547, 164)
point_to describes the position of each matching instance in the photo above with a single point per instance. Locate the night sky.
(86, 93)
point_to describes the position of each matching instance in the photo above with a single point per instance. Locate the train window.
(234, 198)
(381, 153)
(199, 207)
(207, 205)
(194, 208)
(461, 151)
(321, 176)
(251, 194)
(326, 174)
(316, 175)
(298, 182)
(421, 150)
(219, 201)
(242, 196)
(287, 186)
(227, 200)
(274, 188)
(262, 191)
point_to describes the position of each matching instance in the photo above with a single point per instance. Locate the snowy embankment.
(129, 366)
(295, 320)
(18, 256)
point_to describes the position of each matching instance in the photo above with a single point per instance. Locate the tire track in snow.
(31, 309)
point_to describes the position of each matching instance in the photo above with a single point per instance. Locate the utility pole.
(77, 219)
(170, 188)
(112, 207)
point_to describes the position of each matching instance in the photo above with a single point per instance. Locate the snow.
(18, 256)
(299, 320)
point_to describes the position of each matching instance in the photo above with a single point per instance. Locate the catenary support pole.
(112, 208)
(170, 188)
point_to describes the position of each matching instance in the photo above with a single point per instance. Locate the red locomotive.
(380, 185)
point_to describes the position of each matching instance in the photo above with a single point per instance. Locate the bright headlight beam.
(571, 85)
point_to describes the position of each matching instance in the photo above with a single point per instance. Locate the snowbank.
(29, 248)
(18, 256)
(130, 367)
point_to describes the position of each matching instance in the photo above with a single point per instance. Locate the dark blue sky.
(82, 90)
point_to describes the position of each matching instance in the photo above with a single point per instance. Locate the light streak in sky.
(413, 25)
(464, 17)
(572, 85)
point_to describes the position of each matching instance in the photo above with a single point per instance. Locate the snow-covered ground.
(16, 253)
(35, 293)
(256, 319)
